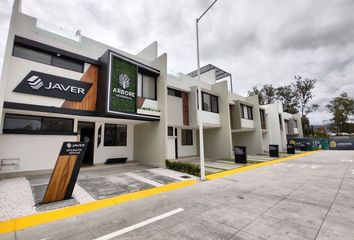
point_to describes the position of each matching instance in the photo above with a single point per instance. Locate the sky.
(258, 42)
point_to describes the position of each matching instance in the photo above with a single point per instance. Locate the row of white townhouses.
(59, 86)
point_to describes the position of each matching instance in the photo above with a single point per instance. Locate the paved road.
(308, 198)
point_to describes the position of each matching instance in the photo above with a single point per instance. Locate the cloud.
(258, 42)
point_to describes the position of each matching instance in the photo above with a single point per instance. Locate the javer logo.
(124, 80)
(35, 82)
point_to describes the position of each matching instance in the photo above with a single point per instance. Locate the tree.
(341, 108)
(289, 98)
(304, 88)
(266, 95)
(256, 91)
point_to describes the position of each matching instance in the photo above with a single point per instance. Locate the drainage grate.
(185, 176)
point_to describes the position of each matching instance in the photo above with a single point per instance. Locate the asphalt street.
(311, 197)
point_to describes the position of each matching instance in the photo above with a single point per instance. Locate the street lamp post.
(200, 122)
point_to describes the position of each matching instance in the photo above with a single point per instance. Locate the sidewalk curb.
(46, 217)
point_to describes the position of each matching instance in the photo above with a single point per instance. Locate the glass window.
(20, 122)
(49, 58)
(140, 85)
(174, 92)
(25, 124)
(33, 55)
(187, 137)
(214, 104)
(149, 87)
(295, 123)
(67, 64)
(206, 102)
(246, 112)
(57, 124)
(262, 115)
(170, 131)
(115, 135)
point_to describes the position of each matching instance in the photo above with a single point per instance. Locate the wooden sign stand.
(65, 173)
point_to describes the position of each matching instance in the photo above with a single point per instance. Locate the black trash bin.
(303, 147)
(290, 148)
(273, 150)
(240, 154)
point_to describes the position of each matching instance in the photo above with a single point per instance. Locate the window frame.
(142, 86)
(51, 54)
(168, 131)
(115, 144)
(211, 96)
(249, 111)
(41, 131)
(184, 141)
(174, 92)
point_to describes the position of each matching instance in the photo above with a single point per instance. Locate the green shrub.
(184, 167)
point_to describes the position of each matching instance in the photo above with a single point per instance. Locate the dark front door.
(87, 134)
(176, 144)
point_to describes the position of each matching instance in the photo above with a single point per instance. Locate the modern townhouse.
(59, 86)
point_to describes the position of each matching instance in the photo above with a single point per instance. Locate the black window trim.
(37, 132)
(187, 144)
(242, 106)
(176, 93)
(211, 107)
(115, 127)
(142, 85)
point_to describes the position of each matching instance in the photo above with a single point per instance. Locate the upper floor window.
(210, 103)
(280, 122)
(246, 112)
(262, 115)
(46, 57)
(174, 92)
(146, 86)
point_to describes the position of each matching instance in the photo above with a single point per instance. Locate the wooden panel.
(185, 104)
(89, 101)
(60, 178)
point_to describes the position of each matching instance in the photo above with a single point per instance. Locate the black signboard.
(43, 84)
(290, 148)
(341, 144)
(240, 154)
(73, 148)
(273, 150)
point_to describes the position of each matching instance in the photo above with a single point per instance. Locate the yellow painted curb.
(45, 217)
(258, 165)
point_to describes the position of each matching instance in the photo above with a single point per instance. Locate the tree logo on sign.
(124, 80)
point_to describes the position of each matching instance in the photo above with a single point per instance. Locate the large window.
(42, 56)
(187, 137)
(25, 124)
(115, 135)
(295, 123)
(146, 86)
(174, 92)
(246, 112)
(210, 103)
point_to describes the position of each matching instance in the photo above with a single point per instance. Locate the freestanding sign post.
(65, 173)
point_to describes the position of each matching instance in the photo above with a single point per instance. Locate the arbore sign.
(48, 85)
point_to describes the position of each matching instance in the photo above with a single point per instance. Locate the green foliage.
(289, 98)
(303, 88)
(184, 167)
(266, 95)
(341, 108)
(117, 101)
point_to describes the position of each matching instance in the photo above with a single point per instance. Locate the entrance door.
(176, 144)
(87, 135)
